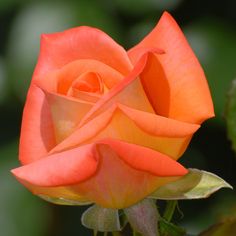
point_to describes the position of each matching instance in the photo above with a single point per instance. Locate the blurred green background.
(210, 27)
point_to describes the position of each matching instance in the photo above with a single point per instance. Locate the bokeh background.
(210, 27)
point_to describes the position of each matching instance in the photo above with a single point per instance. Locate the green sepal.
(101, 219)
(194, 185)
(143, 217)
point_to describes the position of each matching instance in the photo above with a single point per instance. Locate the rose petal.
(61, 80)
(122, 167)
(135, 127)
(146, 159)
(156, 85)
(129, 92)
(65, 168)
(159, 125)
(59, 195)
(84, 96)
(59, 49)
(89, 82)
(162, 134)
(116, 183)
(66, 113)
(37, 132)
(190, 99)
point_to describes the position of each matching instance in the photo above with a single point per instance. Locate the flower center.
(88, 82)
(88, 86)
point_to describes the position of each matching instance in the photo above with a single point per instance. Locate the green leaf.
(226, 227)
(143, 217)
(169, 229)
(230, 114)
(196, 184)
(101, 219)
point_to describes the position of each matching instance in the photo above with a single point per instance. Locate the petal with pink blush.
(103, 173)
(190, 98)
(59, 49)
(65, 168)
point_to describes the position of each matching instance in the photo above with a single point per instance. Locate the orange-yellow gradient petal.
(190, 99)
(165, 135)
(59, 49)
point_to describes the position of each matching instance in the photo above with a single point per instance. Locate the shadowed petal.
(37, 131)
(190, 99)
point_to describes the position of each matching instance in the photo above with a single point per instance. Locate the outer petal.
(117, 184)
(142, 128)
(190, 99)
(37, 132)
(59, 49)
(136, 156)
(58, 195)
(69, 167)
(110, 179)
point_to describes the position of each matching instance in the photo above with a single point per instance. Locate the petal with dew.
(59, 49)
(190, 99)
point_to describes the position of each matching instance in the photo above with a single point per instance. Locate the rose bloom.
(105, 125)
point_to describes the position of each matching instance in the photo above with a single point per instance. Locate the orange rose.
(104, 125)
